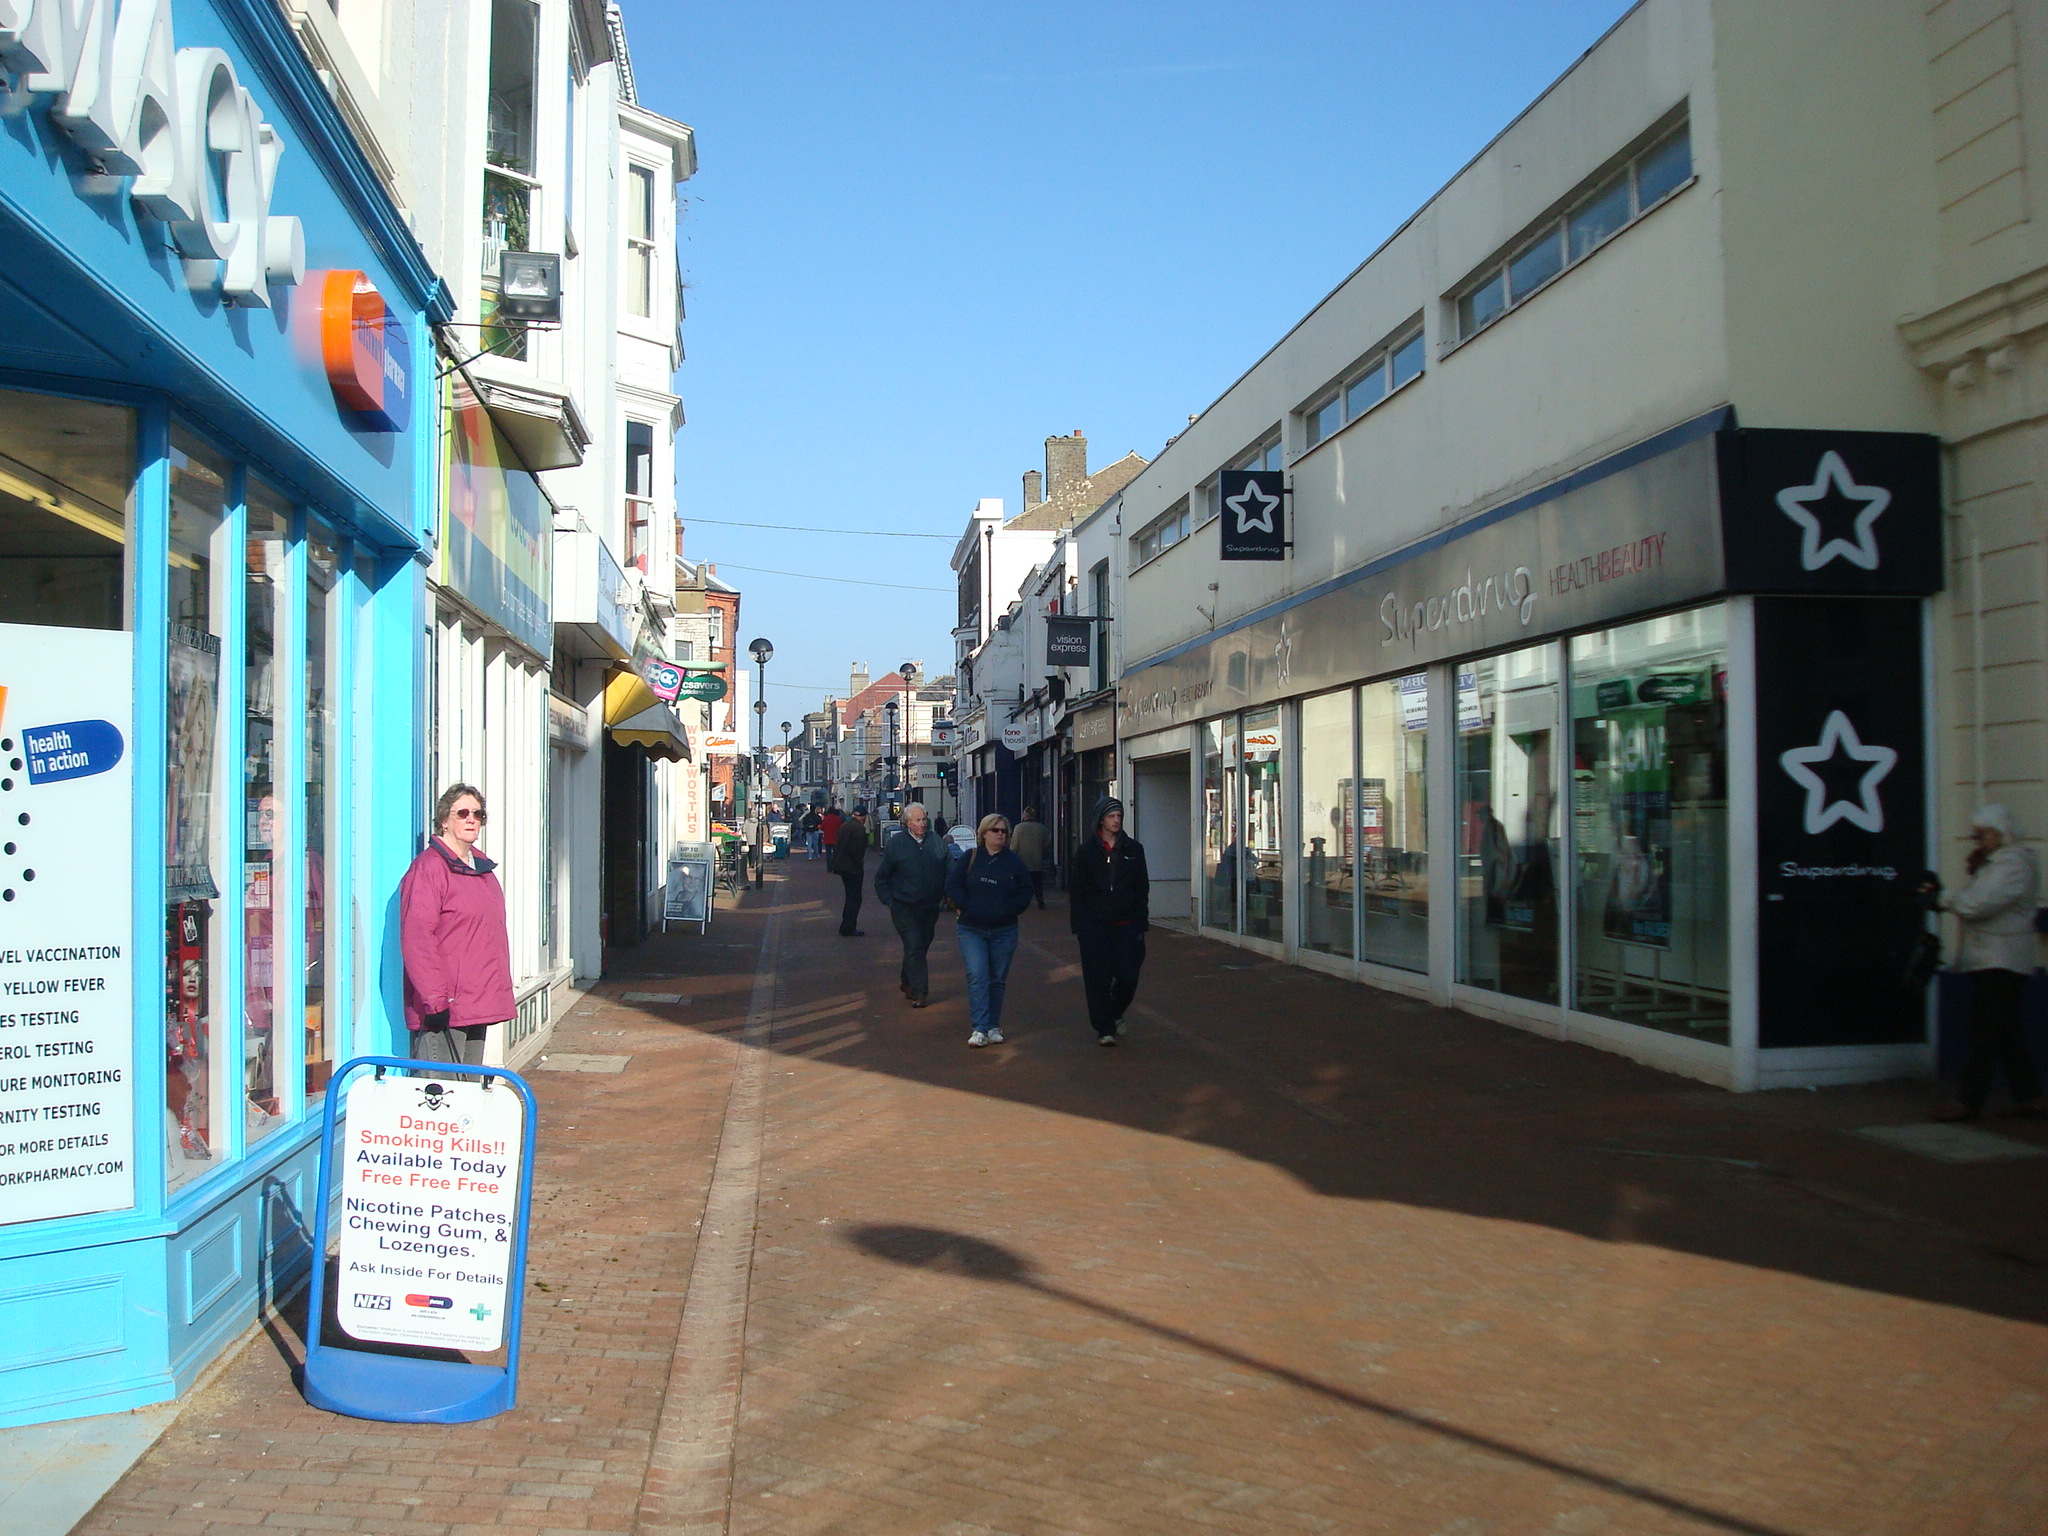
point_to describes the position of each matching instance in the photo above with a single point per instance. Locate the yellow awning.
(636, 717)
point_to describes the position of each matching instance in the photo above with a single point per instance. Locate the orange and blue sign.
(366, 351)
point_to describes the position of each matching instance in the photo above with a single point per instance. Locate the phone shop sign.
(200, 156)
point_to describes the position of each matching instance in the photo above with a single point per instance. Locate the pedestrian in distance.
(989, 888)
(912, 883)
(813, 827)
(1027, 841)
(849, 863)
(452, 934)
(1998, 953)
(1109, 908)
(828, 831)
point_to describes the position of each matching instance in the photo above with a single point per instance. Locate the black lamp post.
(762, 652)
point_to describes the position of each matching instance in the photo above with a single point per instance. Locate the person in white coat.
(1998, 952)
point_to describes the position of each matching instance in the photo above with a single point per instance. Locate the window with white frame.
(1386, 368)
(1162, 533)
(640, 249)
(1593, 215)
(1264, 454)
(639, 492)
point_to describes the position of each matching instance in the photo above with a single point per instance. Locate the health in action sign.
(430, 1181)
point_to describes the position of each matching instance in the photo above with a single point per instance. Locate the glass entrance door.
(1509, 826)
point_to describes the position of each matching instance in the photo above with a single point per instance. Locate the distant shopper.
(1998, 952)
(813, 829)
(1109, 906)
(452, 933)
(1027, 841)
(912, 883)
(990, 887)
(828, 830)
(849, 863)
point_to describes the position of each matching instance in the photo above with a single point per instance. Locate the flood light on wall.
(530, 287)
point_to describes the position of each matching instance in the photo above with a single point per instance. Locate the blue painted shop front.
(217, 481)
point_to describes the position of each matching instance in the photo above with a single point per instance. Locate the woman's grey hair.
(446, 803)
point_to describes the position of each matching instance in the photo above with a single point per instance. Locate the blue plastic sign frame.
(398, 1389)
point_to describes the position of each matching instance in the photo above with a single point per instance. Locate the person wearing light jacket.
(451, 926)
(990, 888)
(1998, 953)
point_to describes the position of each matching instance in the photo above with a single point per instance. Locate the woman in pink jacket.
(458, 954)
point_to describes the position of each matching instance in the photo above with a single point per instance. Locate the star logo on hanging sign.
(1832, 500)
(1838, 738)
(1254, 509)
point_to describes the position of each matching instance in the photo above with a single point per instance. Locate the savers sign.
(429, 1210)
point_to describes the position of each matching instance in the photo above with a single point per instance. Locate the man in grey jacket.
(912, 884)
(1998, 953)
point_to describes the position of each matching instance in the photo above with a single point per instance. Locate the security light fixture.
(530, 287)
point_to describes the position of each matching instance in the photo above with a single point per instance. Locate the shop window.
(318, 761)
(1508, 823)
(266, 640)
(1329, 824)
(1265, 898)
(1220, 857)
(1393, 855)
(66, 472)
(640, 247)
(195, 927)
(1650, 823)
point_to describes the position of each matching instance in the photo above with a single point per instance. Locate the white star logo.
(1283, 652)
(1254, 509)
(1831, 482)
(1838, 735)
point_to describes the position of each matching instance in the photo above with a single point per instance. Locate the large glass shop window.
(197, 1092)
(1508, 823)
(1329, 823)
(1650, 822)
(266, 798)
(323, 653)
(67, 468)
(1264, 890)
(1393, 877)
(1220, 860)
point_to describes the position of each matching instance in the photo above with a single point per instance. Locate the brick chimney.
(1034, 489)
(1066, 464)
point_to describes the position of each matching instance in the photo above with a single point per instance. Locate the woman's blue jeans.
(986, 953)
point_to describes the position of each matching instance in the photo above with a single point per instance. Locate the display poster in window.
(193, 721)
(430, 1176)
(1414, 694)
(1637, 904)
(67, 826)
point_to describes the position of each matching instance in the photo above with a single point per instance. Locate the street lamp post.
(762, 652)
(889, 778)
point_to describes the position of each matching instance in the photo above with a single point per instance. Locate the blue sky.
(926, 236)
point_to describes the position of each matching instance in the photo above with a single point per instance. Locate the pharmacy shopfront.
(1637, 759)
(215, 461)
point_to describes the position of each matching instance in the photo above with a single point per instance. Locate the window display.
(1329, 824)
(66, 468)
(266, 598)
(1220, 861)
(1392, 801)
(1508, 822)
(195, 1084)
(1650, 822)
(1265, 897)
(323, 647)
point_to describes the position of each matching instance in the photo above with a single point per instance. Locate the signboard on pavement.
(430, 1180)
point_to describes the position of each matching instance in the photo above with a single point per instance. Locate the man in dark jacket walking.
(1109, 894)
(912, 881)
(849, 863)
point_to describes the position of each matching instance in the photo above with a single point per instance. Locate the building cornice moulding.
(1979, 330)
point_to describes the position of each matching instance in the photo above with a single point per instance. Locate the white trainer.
(977, 1039)
(993, 1037)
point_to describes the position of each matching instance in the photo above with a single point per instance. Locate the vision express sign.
(1653, 527)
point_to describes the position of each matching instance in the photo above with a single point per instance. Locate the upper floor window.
(1385, 370)
(1098, 599)
(1593, 215)
(1162, 533)
(640, 263)
(1264, 454)
(639, 492)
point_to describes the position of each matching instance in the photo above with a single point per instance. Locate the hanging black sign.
(1254, 517)
(1841, 820)
(1068, 642)
(1830, 511)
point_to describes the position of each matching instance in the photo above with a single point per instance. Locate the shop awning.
(635, 717)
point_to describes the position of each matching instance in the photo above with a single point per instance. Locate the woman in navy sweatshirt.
(990, 887)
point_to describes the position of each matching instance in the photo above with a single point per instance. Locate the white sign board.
(1016, 736)
(429, 1210)
(67, 965)
(719, 744)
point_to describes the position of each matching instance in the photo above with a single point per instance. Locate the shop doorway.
(625, 843)
(1159, 818)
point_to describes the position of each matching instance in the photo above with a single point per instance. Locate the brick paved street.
(1301, 1257)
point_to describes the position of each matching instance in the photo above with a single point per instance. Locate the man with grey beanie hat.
(1109, 897)
(1998, 953)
